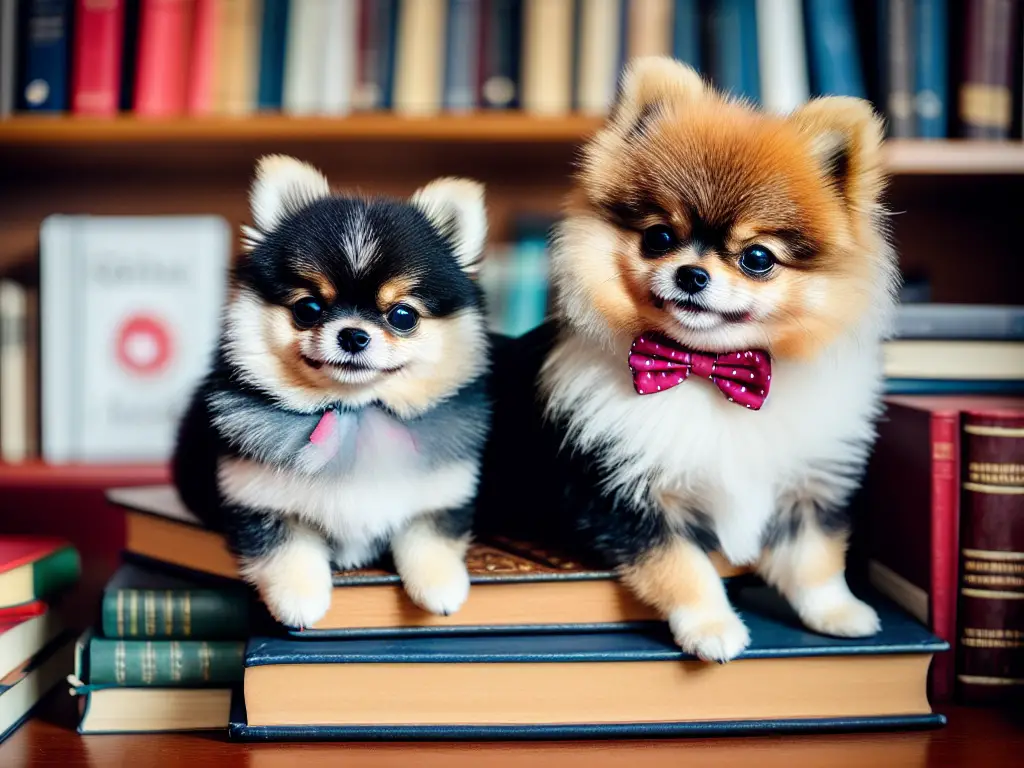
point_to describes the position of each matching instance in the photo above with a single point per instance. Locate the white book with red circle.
(130, 309)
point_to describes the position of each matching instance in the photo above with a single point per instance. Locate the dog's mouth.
(690, 307)
(348, 366)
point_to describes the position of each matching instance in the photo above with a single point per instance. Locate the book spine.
(44, 69)
(129, 54)
(547, 56)
(990, 662)
(686, 45)
(930, 47)
(501, 44)
(273, 38)
(202, 71)
(782, 55)
(897, 18)
(13, 373)
(56, 572)
(733, 26)
(169, 663)
(96, 87)
(175, 614)
(162, 70)
(419, 68)
(339, 62)
(650, 28)
(986, 95)
(832, 43)
(597, 65)
(945, 518)
(304, 55)
(462, 51)
(8, 55)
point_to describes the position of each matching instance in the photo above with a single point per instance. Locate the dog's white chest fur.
(383, 484)
(689, 449)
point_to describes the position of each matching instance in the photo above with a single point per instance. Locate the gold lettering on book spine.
(177, 662)
(133, 614)
(995, 474)
(120, 613)
(168, 613)
(120, 662)
(149, 603)
(186, 614)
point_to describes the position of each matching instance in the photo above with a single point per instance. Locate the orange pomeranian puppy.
(713, 373)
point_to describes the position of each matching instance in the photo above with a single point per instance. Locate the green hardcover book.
(139, 603)
(164, 663)
(35, 568)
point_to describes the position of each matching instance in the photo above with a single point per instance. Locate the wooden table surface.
(974, 737)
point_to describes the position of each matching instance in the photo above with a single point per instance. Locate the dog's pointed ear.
(283, 185)
(456, 209)
(845, 137)
(649, 83)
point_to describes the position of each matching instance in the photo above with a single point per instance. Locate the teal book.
(832, 45)
(686, 33)
(734, 58)
(139, 603)
(273, 36)
(162, 664)
(931, 28)
(590, 685)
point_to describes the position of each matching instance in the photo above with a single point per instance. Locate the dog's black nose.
(692, 279)
(353, 339)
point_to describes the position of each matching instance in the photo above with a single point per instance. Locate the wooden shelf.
(39, 476)
(491, 127)
(904, 157)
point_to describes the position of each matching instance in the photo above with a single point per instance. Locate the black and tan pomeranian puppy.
(345, 412)
(723, 282)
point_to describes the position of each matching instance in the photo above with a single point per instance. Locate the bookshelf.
(36, 474)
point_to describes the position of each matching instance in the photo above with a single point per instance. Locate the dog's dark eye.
(659, 240)
(307, 312)
(402, 317)
(757, 260)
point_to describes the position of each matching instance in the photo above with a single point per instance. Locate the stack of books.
(544, 647)
(35, 651)
(332, 57)
(943, 500)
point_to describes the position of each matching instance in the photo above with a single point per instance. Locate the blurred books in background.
(162, 58)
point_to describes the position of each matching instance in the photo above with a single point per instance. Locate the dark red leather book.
(909, 508)
(96, 87)
(990, 659)
(990, 50)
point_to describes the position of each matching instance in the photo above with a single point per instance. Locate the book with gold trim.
(990, 661)
(516, 585)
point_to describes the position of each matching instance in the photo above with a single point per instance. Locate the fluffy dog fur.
(652, 483)
(410, 415)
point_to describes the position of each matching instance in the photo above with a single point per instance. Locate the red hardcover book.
(33, 567)
(161, 80)
(96, 84)
(990, 660)
(202, 70)
(911, 509)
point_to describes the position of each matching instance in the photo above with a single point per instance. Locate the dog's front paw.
(439, 584)
(719, 636)
(294, 583)
(848, 617)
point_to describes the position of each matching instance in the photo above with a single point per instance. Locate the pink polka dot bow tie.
(659, 363)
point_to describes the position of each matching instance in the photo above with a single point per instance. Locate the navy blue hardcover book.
(951, 387)
(832, 44)
(734, 62)
(932, 41)
(686, 33)
(502, 29)
(46, 32)
(273, 37)
(629, 684)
